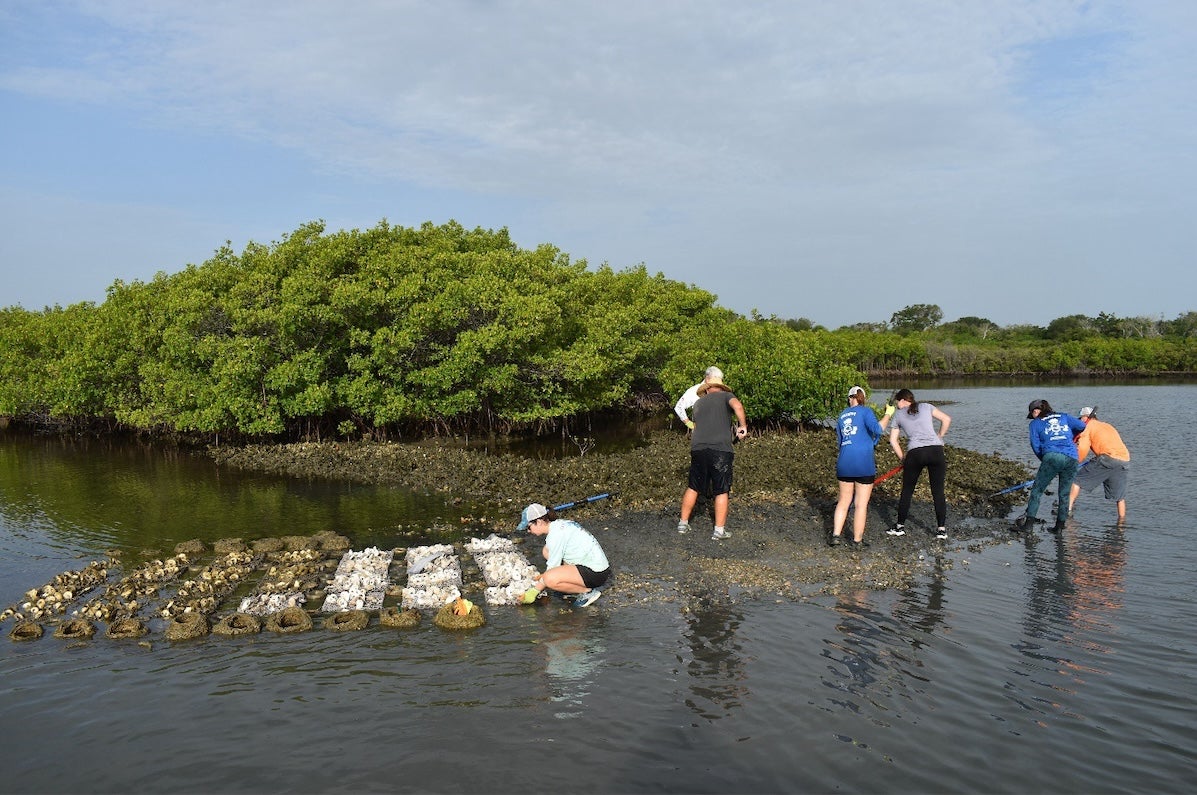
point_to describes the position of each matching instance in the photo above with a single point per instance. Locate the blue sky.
(1019, 161)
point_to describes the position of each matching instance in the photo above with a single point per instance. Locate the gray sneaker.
(720, 534)
(683, 527)
(588, 598)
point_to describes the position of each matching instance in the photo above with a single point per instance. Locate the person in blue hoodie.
(1052, 434)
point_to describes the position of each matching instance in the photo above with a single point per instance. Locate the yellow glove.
(889, 409)
(690, 424)
(530, 595)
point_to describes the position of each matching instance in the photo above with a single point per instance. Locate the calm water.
(1047, 665)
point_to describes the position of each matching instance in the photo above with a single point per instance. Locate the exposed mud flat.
(780, 516)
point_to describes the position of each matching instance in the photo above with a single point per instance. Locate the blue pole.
(567, 505)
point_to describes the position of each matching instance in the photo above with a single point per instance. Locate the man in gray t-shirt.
(711, 452)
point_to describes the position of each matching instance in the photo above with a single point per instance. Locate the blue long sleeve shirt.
(1054, 434)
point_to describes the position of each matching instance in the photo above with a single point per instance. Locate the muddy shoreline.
(781, 510)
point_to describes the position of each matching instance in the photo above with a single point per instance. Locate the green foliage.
(356, 331)
(867, 327)
(388, 329)
(967, 329)
(776, 372)
(803, 324)
(1184, 326)
(915, 318)
(1072, 327)
(24, 344)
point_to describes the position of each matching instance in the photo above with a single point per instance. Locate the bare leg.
(721, 510)
(688, 501)
(1121, 511)
(841, 507)
(564, 579)
(863, 492)
(1073, 493)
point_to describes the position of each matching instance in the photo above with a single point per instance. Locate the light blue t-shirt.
(569, 542)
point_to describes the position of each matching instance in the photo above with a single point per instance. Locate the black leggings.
(932, 459)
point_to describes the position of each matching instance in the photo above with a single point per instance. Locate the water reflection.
(1098, 580)
(1076, 582)
(573, 652)
(101, 493)
(716, 665)
(921, 612)
(1050, 570)
(857, 655)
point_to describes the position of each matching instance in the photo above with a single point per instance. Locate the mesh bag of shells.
(204, 592)
(284, 582)
(263, 604)
(433, 577)
(360, 582)
(504, 568)
(56, 596)
(135, 590)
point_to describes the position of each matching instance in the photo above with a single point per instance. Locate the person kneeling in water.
(576, 563)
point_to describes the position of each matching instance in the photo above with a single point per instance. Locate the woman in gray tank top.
(924, 450)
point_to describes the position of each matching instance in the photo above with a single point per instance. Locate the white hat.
(1086, 411)
(854, 390)
(713, 372)
(531, 514)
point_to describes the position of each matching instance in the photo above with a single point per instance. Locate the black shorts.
(592, 578)
(711, 471)
(866, 480)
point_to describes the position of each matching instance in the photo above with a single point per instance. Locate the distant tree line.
(914, 341)
(393, 331)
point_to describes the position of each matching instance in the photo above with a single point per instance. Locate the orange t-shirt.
(1103, 439)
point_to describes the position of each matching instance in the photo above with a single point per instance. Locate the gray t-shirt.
(919, 429)
(712, 422)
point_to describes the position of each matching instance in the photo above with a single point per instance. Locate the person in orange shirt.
(1110, 464)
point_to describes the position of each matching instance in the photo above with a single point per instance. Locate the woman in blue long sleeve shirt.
(1052, 435)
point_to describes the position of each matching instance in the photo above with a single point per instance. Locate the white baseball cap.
(531, 514)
